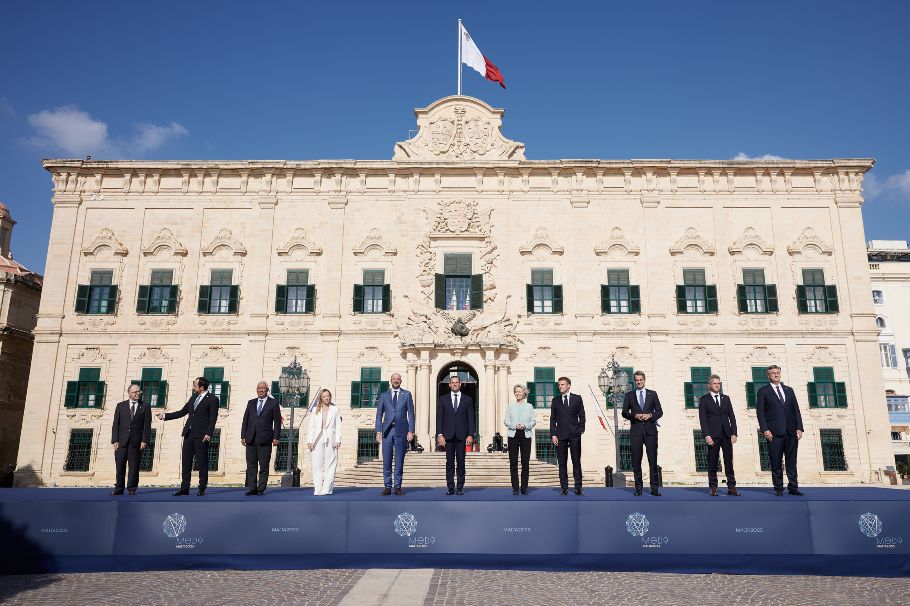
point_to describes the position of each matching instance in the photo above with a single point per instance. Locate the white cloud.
(77, 134)
(767, 157)
(895, 186)
(6, 107)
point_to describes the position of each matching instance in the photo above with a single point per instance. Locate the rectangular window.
(298, 279)
(697, 387)
(889, 355)
(754, 281)
(147, 456)
(701, 453)
(759, 380)
(542, 390)
(458, 281)
(214, 452)
(542, 284)
(220, 291)
(618, 281)
(896, 435)
(281, 453)
(365, 392)
(833, 458)
(906, 353)
(878, 297)
(625, 450)
(159, 301)
(824, 391)
(814, 283)
(367, 446)
(154, 390)
(79, 453)
(764, 458)
(694, 291)
(87, 392)
(373, 282)
(218, 387)
(102, 294)
(543, 445)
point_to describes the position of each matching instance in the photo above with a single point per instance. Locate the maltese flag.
(472, 57)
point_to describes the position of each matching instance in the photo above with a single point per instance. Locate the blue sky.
(302, 81)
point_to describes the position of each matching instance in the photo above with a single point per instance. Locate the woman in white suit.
(324, 439)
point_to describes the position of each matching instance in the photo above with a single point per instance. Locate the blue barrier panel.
(462, 527)
(184, 526)
(52, 529)
(860, 527)
(693, 527)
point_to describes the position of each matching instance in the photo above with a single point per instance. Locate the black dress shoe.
(181, 493)
(251, 493)
(460, 491)
(637, 492)
(733, 492)
(132, 493)
(386, 492)
(795, 492)
(514, 491)
(201, 492)
(450, 491)
(524, 491)
(779, 492)
(564, 491)
(655, 492)
(399, 492)
(579, 492)
(117, 493)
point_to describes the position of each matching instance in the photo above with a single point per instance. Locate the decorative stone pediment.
(541, 245)
(458, 218)
(692, 245)
(164, 246)
(289, 353)
(751, 245)
(821, 354)
(700, 354)
(626, 356)
(299, 246)
(214, 353)
(224, 246)
(105, 246)
(371, 354)
(152, 354)
(90, 354)
(375, 246)
(544, 354)
(616, 246)
(459, 129)
(810, 245)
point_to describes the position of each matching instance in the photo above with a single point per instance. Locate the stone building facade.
(457, 255)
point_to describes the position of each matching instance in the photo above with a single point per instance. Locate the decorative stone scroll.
(375, 246)
(692, 245)
(105, 246)
(751, 245)
(541, 245)
(299, 246)
(164, 246)
(810, 245)
(616, 246)
(224, 246)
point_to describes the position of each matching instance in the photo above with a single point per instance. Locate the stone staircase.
(481, 469)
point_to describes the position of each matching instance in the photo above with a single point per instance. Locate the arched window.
(880, 321)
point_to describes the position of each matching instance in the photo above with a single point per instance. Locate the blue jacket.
(386, 413)
(520, 413)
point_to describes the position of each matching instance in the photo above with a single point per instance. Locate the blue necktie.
(641, 400)
(456, 403)
(395, 400)
(259, 409)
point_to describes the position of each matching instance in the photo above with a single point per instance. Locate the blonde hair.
(319, 400)
(524, 390)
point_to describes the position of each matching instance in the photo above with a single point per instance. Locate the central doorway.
(468, 387)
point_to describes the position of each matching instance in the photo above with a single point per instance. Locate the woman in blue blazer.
(520, 420)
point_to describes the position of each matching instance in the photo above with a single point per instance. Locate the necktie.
(456, 403)
(132, 410)
(780, 394)
(196, 403)
(641, 400)
(395, 400)
(565, 401)
(259, 409)
(717, 401)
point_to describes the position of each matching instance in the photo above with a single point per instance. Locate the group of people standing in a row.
(776, 407)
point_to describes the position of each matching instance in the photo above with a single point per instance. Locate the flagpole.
(459, 56)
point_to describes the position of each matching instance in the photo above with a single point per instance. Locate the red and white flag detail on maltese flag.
(472, 57)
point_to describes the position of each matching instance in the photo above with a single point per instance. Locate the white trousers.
(323, 461)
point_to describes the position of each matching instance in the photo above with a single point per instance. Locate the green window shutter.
(634, 299)
(112, 299)
(840, 392)
(358, 298)
(813, 395)
(750, 394)
(162, 393)
(771, 298)
(142, 300)
(477, 291)
(276, 391)
(741, 298)
(99, 394)
(281, 298)
(386, 298)
(82, 293)
(532, 394)
(439, 294)
(604, 299)
(225, 394)
(383, 386)
(355, 394)
(711, 295)
(234, 296)
(689, 392)
(801, 303)
(823, 374)
(557, 298)
(680, 299)
(310, 299)
(529, 291)
(72, 394)
(172, 299)
(831, 302)
(203, 307)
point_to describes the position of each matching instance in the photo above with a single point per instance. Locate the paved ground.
(445, 587)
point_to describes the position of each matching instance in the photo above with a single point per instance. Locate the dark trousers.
(454, 450)
(261, 455)
(127, 454)
(642, 441)
(393, 447)
(778, 448)
(195, 447)
(569, 446)
(520, 442)
(721, 443)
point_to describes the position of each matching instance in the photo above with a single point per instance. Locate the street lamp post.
(613, 382)
(293, 382)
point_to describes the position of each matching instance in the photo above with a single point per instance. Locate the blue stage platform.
(832, 531)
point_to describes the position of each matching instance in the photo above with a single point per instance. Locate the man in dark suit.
(782, 425)
(642, 408)
(455, 431)
(202, 408)
(718, 426)
(131, 432)
(567, 423)
(395, 423)
(260, 431)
